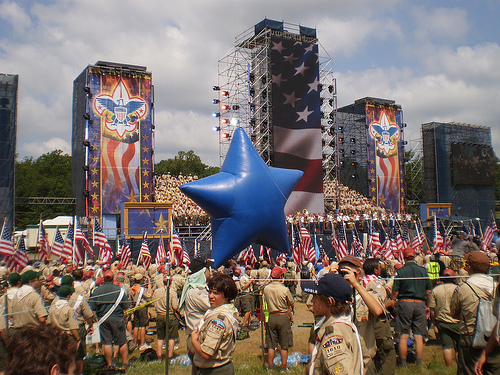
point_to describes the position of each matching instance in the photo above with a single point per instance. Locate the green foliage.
(186, 163)
(47, 176)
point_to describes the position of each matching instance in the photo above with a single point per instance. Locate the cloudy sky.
(439, 59)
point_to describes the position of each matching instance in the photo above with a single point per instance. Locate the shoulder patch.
(338, 369)
(217, 323)
(456, 290)
(334, 340)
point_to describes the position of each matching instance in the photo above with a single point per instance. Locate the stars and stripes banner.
(6, 245)
(43, 243)
(385, 157)
(58, 244)
(100, 240)
(144, 254)
(297, 119)
(121, 140)
(160, 251)
(125, 253)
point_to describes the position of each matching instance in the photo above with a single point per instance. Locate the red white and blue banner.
(385, 157)
(297, 119)
(120, 157)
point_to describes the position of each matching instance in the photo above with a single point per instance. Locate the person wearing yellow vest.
(433, 269)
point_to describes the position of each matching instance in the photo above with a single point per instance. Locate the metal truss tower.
(244, 94)
(414, 175)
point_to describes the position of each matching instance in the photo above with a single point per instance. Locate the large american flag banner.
(6, 245)
(297, 119)
(43, 243)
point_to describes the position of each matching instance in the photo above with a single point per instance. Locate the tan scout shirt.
(217, 337)
(440, 301)
(61, 314)
(365, 322)
(338, 352)
(83, 311)
(160, 305)
(27, 307)
(278, 297)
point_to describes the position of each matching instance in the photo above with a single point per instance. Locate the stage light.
(353, 176)
(353, 152)
(321, 101)
(330, 102)
(341, 139)
(215, 88)
(223, 121)
(340, 127)
(234, 121)
(225, 135)
(264, 108)
(216, 114)
(264, 94)
(320, 87)
(341, 150)
(353, 163)
(216, 128)
(86, 89)
(224, 107)
(322, 114)
(330, 122)
(252, 122)
(330, 89)
(341, 163)
(86, 193)
(224, 93)
(264, 79)
(353, 140)
(404, 143)
(404, 125)
(251, 77)
(253, 137)
(215, 101)
(236, 107)
(323, 142)
(332, 115)
(251, 92)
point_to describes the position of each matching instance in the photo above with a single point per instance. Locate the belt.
(411, 300)
(278, 313)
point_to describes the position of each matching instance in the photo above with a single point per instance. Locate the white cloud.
(15, 16)
(43, 147)
(441, 24)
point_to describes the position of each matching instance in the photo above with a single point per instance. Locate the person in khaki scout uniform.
(337, 348)
(214, 340)
(27, 305)
(385, 359)
(368, 309)
(161, 317)
(446, 327)
(278, 328)
(61, 314)
(464, 305)
(141, 294)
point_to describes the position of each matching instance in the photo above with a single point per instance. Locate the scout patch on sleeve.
(338, 369)
(333, 346)
(217, 325)
(334, 340)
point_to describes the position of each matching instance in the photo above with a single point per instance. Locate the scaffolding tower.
(414, 176)
(244, 93)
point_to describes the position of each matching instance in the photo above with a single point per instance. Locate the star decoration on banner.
(313, 86)
(301, 69)
(95, 184)
(290, 58)
(291, 99)
(278, 46)
(94, 196)
(304, 114)
(132, 197)
(277, 79)
(145, 172)
(245, 201)
(161, 225)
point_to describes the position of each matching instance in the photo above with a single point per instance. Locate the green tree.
(47, 176)
(186, 163)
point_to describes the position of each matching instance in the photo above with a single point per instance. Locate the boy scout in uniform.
(27, 305)
(214, 340)
(61, 314)
(338, 346)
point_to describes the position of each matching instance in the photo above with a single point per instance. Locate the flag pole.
(74, 239)
(480, 229)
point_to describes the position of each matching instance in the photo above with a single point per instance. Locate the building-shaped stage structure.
(459, 168)
(8, 132)
(276, 86)
(113, 140)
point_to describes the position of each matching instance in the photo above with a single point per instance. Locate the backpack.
(288, 276)
(485, 321)
(305, 273)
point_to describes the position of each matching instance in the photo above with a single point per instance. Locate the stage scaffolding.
(244, 94)
(414, 175)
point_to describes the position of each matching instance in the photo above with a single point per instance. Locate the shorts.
(449, 334)
(141, 318)
(161, 327)
(247, 303)
(113, 331)
(279, 331)
(82, 348)
(227, 369)
(411, 317)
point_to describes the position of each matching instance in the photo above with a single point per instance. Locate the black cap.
(198, 264)
(330, 285)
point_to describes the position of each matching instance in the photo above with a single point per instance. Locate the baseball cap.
(356, 262)
(448, 272)
(409, 253)
(30, 275)
(65, 290)
(478, 260)
(67, 280)
(330, 285)
(199, 263)
(109, 275)
(277, 272)
(138, 276)
(14, 278)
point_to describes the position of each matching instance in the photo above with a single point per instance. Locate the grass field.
(247, 357)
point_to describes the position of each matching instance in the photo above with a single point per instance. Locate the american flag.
(58, 244)
(125, 253)
(416, 243)
(405, 235)
(248, 256)
(144, 253)
(446, 239)
(6, 245)
(185, 257)
(43, 243)
(386, 250)
(297, 255)
(160, 251)
(399, 246)
(438, 243)
(488, 235)
(375, 244)
(281, 258)
(175, 248)
(356, 246)
(342, 241)
(79, 236)
(100, 240)
(20, 258)
(297, 118)
(68, 243)
(265, 252)
(306, 248)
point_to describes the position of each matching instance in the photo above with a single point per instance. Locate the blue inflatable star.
(245, 201)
